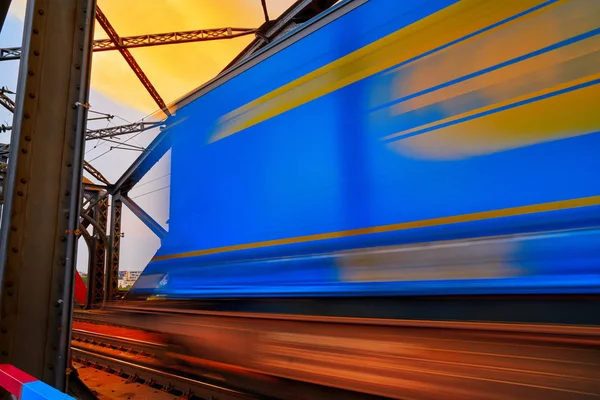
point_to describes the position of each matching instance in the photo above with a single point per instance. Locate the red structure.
(80, 290)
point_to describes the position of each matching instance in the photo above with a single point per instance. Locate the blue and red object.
(25, 387)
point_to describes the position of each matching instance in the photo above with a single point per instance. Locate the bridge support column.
(98, 258)
(43, 189)
(112, 274)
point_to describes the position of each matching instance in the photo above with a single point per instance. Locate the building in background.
(128, 278)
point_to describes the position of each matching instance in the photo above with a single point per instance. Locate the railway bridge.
(389, 200)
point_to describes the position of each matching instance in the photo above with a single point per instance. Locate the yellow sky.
(173, 69)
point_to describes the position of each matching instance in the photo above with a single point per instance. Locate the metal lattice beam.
(158, 39)
(153, 39)
(98, 257)
(121, 130)
(137, 70)
(111, 285)
(96, 133)
(10, 53)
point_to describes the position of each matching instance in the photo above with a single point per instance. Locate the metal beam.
(265, 11)
(95, 173)
(136, 171)
(97, 254)
(7, 102)
(10, 53)
(116, 40)
(144, 217)
(111, 283)
(121, 130)
(43, 189)
(158, 39)
(91, 134)
(152, 39)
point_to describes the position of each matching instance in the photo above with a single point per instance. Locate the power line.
(150, 181)
(117, 147)
(152, 191)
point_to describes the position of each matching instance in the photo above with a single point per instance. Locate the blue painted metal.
(25, 387)
(38, 390)
(451, 122)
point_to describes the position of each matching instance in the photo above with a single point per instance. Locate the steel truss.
(121, 130)
(111, 283)
(151, 39)
(97, 256)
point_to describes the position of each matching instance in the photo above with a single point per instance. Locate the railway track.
(141, 362)
(402, 359)
(150, 362)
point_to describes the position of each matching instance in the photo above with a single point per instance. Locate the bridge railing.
(25, 387)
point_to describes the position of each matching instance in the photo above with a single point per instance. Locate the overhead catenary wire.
(150, 181)
(116, 147)
(152, 191)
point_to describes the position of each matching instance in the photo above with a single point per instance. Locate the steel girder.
(151, 39)
(43, 189)
(97, 258)
(111, 285)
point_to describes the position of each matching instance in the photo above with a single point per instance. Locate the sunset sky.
(173, 69)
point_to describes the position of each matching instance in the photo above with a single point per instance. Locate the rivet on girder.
(32, 95)
(23, 180)
(24, 151)
(15, 250)
(27, 137)
(41, 12)
(36, 53)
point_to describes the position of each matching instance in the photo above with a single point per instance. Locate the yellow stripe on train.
(436, 30)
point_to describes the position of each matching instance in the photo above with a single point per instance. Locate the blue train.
(390, 148)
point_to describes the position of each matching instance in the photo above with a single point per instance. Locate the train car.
(393, 148)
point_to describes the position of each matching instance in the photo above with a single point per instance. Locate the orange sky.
(173, 69)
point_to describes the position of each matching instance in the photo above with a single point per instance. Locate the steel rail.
(192, 388)
(81, 335)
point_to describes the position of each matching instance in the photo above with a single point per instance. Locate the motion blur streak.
(430, 124)
(394, 198)
(396, 359)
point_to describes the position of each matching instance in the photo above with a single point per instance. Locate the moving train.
(393, 148)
